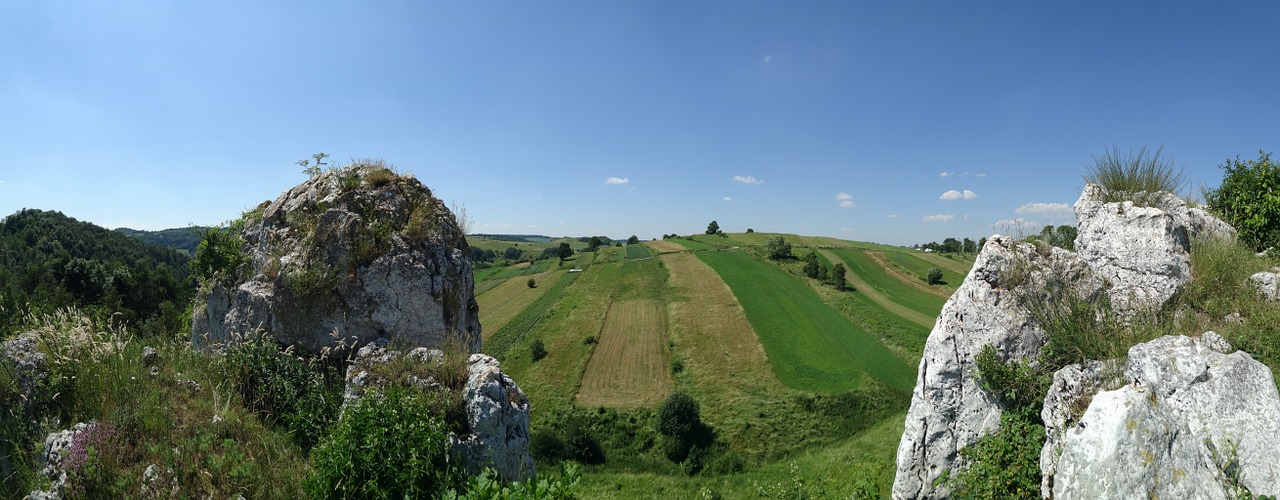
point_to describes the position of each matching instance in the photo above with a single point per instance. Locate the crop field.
(873, 270)
(527, 320)
(958, 265)
(873, 294)
(506, 300)
(693, 244)
(629, 367)
(913, 266)
(664, 246)
(637, 252)
(810, 346)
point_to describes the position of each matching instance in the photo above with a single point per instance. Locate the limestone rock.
(350, 255)
(56, 446)
(29, 365)
(1072, 389)
(949, 410)
(498, 414)
(1193, 422)
(1143, 252)
(497, 410)
(1268, 284)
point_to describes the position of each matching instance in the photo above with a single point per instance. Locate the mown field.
(798, 381)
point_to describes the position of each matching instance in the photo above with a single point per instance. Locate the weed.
(281, 388)
(377, 177)
(1136, 177)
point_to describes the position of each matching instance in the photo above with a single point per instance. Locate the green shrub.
(1002, 465)
(282, 388)
(387, 446)
(537, 350)
(1246, 200)
(679, 417)
(1135, 177)
(379, 176)
(934, 276)
(219, 254)
(488, 486)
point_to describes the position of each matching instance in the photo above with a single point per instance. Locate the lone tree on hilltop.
(713, 227)
(779, 248)
(633, 240)
(594, 243)
(565, 251)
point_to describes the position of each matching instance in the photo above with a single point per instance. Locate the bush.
(388, 446)
(532, 283)
(1002, 465)
(934, 277)
(1134, 177)
(679, 417)
(218, 254)
(537, 351)
(779, 248)
(1246, 200)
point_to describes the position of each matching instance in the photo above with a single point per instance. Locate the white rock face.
(1192, 421)
(1142, 252)
(498, 414)
(497, 410)
(949, 410)
(344, 257)
(1073, 386)
(1140, 256)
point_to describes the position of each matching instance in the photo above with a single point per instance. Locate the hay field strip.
(874, 294)
(629, 366)
(877, 276)
(503, 302)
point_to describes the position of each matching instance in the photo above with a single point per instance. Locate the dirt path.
(907, 279)
(870, 292)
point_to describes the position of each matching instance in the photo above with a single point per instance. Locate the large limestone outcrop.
(1142, 252)
(1195, 420)
(1138, 255)
(352, 254)
(949, 410)
(496, 410)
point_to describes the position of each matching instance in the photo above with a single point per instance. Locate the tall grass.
(1136, 177)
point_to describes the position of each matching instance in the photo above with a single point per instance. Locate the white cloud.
(980, 174)
(846, 200)
(893, 216)
(846, 229)
(1051, 209)
(952, 194)
(728, 199)
(747, 179)
(937, 218)
(962, 174)
(946, 174)
(617, 180)
(767, 58)
(966, 217)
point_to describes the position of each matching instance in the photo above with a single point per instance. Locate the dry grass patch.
(630, 366)
(661, 247)
(959, 266)
(503, 302)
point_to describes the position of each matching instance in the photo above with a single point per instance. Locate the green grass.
(917, 267)
(635, 252)
(893, 288)
(693, 244)
(519, 327)
(810, 346)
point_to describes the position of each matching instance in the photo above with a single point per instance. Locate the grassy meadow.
(799, 383)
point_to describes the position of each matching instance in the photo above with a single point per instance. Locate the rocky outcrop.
(949, 410)
(1138, 256)
(57, 448)
(1195, 421)
(1072, 389)
(351, 255)
(495, 409)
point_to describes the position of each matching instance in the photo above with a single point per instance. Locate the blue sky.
(894, 122)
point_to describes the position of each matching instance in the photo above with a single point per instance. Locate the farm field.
(872, 270)
(503, 302)
(786, 370)
(629, 366)
(811, 347)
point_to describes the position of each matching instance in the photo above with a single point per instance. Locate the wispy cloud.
(767, 58)
(845, 200)
(728, 199)
(1051, 209)
(846, 229)
(937, 218)
(747, 179)
(946, 174)
(957, 195)
(962, 174)
(617, 180)
(893, 216)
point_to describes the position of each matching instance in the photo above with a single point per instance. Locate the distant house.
(575, 270)
(928, 250)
